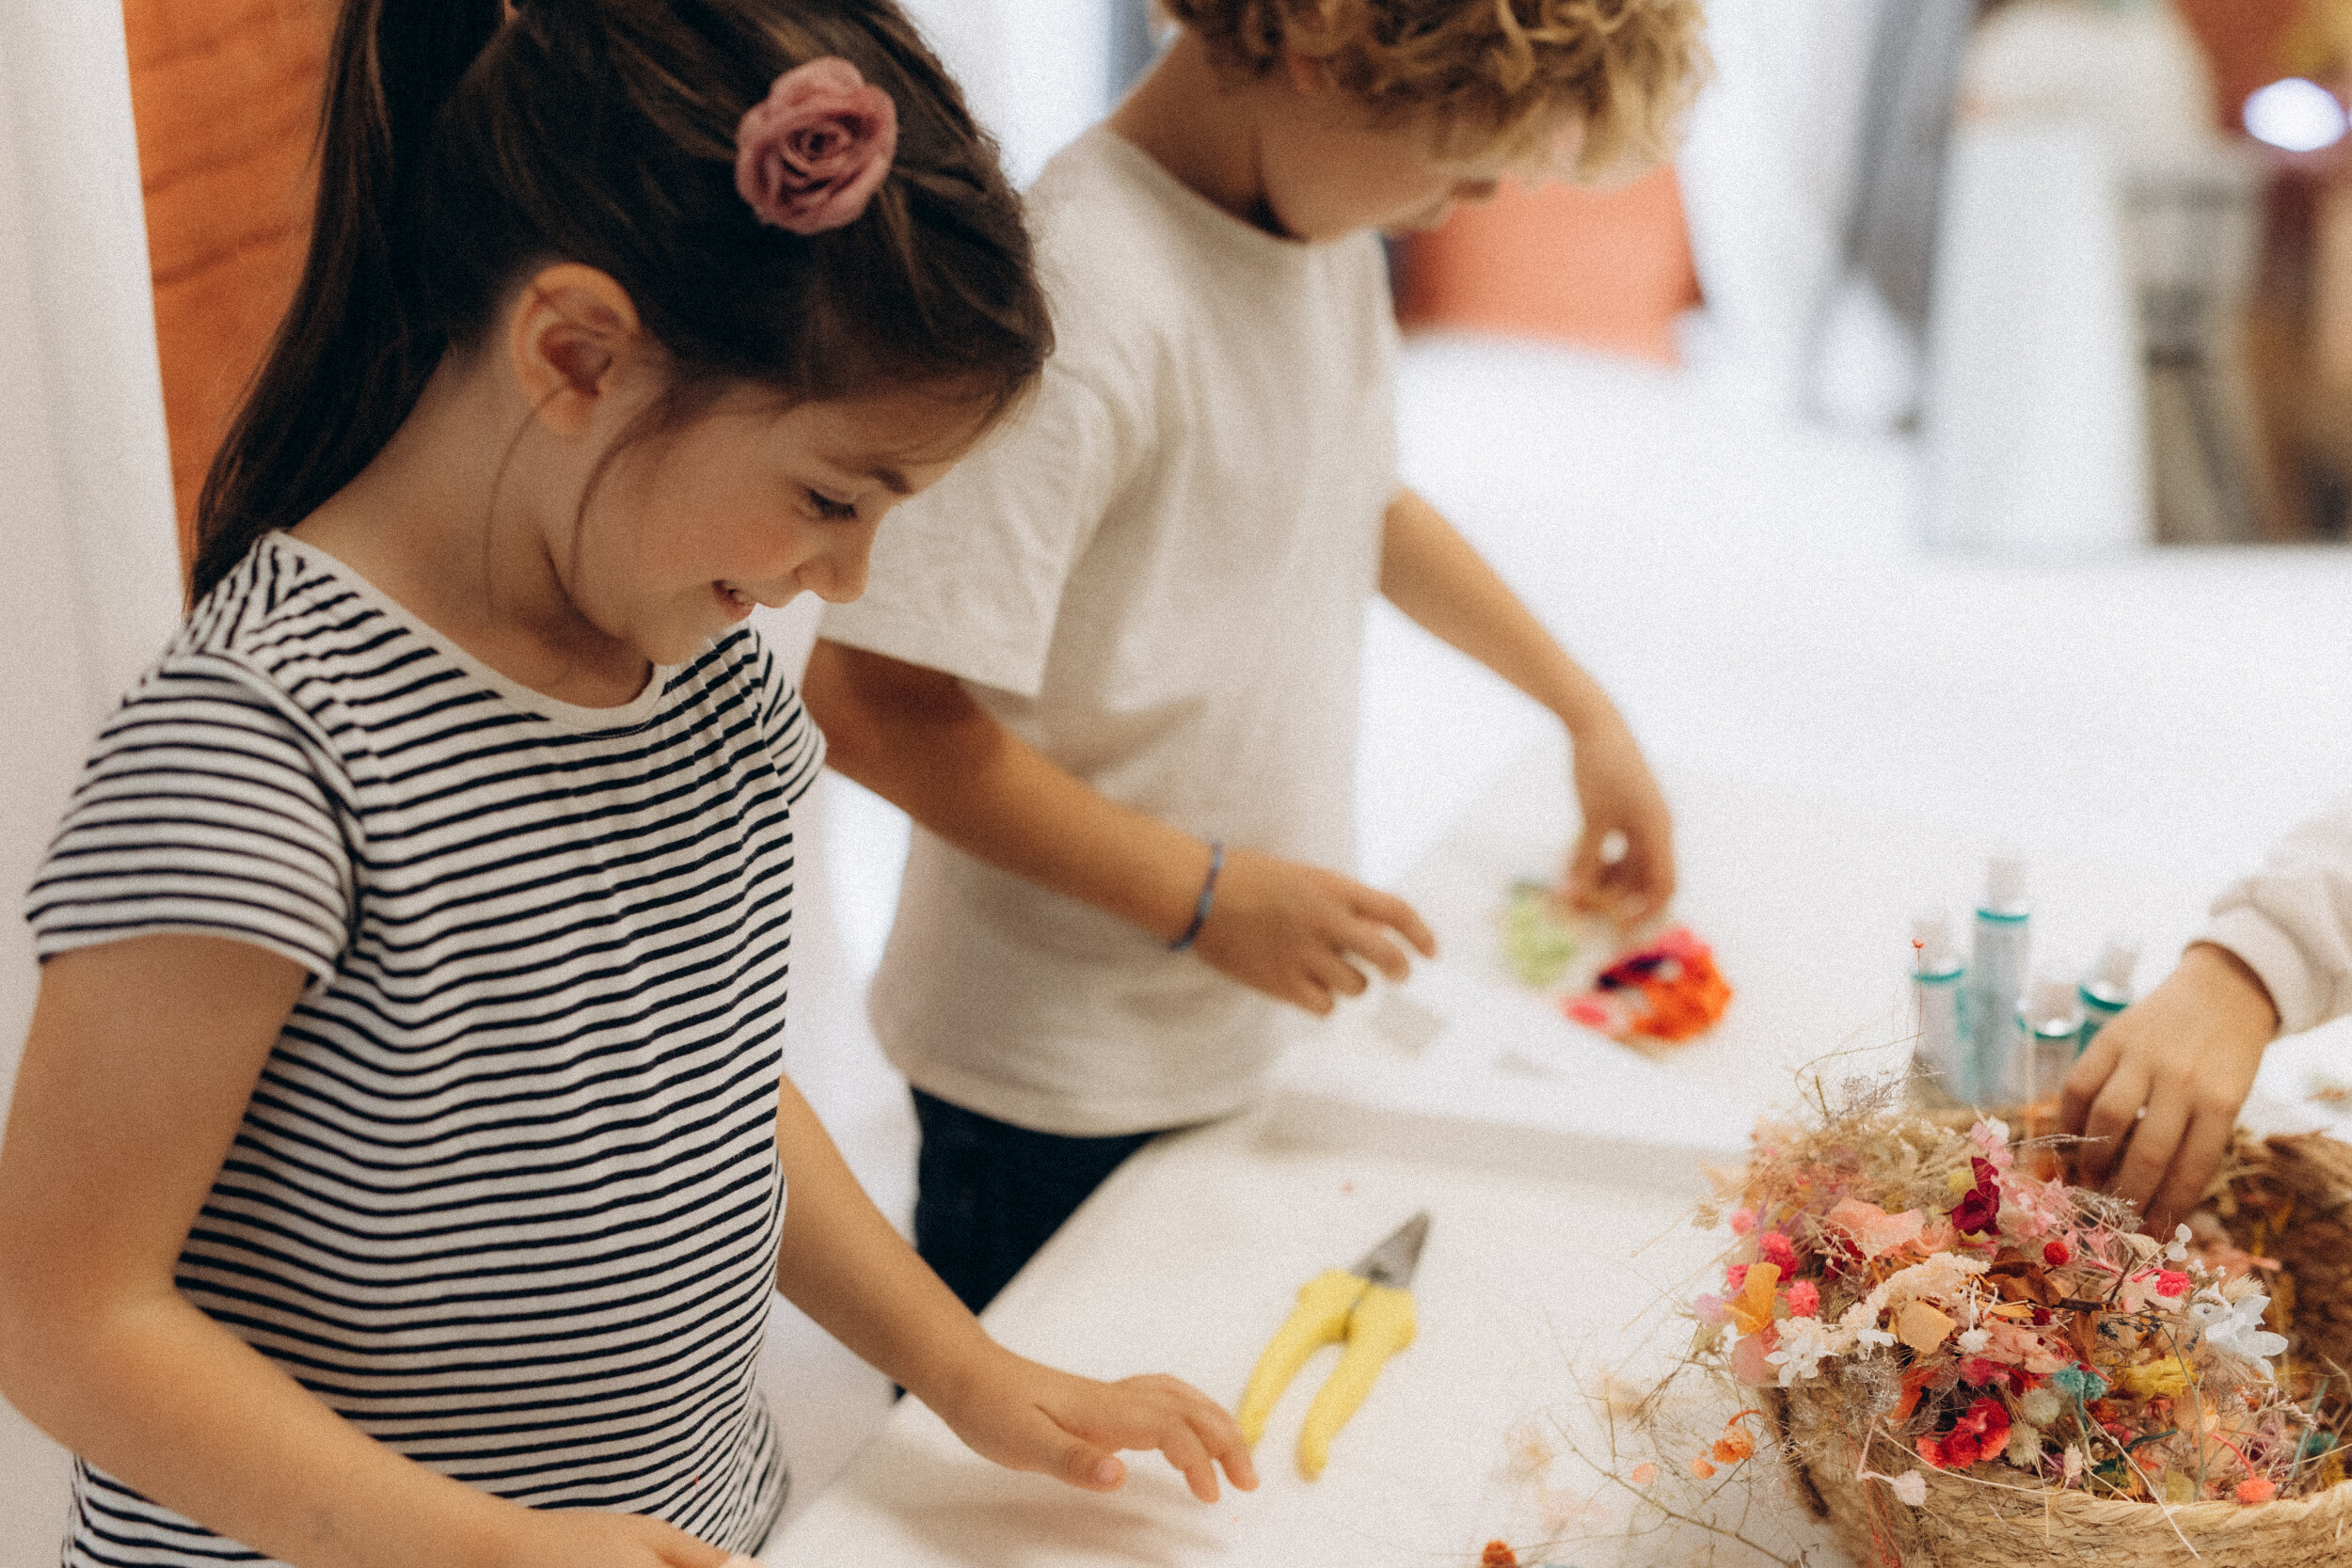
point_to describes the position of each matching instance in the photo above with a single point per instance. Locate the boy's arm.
(1432, 574)
(915, 736)
(2159, 1091)
(857, 1277)
(142, 1056)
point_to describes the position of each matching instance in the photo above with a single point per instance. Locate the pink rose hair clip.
(810, 155)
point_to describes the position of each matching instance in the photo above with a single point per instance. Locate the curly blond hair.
(1500, 79)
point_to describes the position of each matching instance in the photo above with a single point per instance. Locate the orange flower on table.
(1735, 1444)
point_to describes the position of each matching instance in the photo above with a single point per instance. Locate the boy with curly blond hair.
(1110, 664)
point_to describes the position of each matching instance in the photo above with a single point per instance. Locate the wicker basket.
(1969, 1523)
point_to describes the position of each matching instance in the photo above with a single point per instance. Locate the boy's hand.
(2163, 1084)
(1296, 931)
(1618, 796)
(1028, 1416)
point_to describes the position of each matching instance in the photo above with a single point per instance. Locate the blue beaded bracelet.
(1208, 897)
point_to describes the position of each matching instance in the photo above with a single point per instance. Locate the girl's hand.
(565, 1538)
(1618, 796)
(1028, 1416)
(2161, 1087)
(1296, 932)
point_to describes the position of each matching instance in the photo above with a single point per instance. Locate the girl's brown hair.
(460, 148)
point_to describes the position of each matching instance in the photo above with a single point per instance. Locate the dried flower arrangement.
(1932, 1313)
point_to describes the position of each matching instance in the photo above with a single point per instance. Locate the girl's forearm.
(857, 1277)
(142, 1057)
(156, 1393)
(917, 738)
(1435, 576)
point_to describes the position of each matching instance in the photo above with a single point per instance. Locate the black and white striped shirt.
(506, 1195)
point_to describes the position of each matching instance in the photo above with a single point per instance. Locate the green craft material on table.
(1537, 943)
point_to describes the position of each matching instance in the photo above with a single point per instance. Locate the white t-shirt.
(2292, 922)
(1157, 576)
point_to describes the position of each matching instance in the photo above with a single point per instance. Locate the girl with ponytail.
(397, 1171)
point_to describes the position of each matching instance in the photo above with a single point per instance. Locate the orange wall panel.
(226, 94)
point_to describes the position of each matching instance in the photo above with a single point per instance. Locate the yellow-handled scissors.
(1370, 1310)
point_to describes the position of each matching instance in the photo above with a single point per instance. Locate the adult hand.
(1297, 932)
(1618, 796)
(1028, 1416)
(2158, 1094)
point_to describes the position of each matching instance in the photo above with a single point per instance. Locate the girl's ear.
(571, 328)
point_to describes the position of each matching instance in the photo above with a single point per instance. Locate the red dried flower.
(1979, 1212)
(2056, 1253)
(1979, 1433)
(1778, 1249)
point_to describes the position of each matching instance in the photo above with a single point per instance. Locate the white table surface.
(1843, 730)
(1559, 1167)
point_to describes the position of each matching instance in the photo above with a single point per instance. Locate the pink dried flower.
(2173, 1284)
(809, 156)
(1742, 1221)
(2254, 1489)
(1805, 1299)
(1735, 1278)
(1993, 1137)
(1980, 1370)
(1777, 1251)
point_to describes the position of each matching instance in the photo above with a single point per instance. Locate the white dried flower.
(1804, 1343)
(2235, 1328)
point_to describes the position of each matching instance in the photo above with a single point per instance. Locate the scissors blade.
(1391, 1264)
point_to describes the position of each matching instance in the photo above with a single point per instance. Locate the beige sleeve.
(2292, 921)
(967, 577)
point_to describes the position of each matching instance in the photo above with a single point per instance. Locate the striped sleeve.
(794, 740)
(205, 808)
